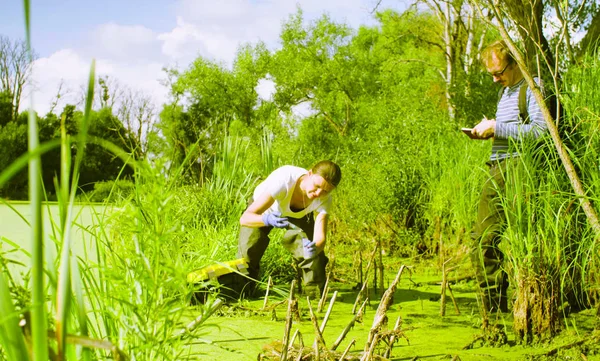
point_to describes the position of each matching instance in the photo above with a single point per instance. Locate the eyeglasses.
(499, 73)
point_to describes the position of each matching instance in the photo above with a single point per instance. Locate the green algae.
(243, 331)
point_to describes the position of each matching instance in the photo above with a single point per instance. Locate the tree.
(15, 70)
(137, 112)
(217, 98)
(13, 137)
(461, 42)
(316, 66)
(100, 164)
(590, 40)
(6, 108)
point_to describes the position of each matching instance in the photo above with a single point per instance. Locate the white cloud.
(64, 66)
(216, 29)
(130, 43)
(136, 54)
(187, 41)
(303, 110)
(72, 70)
(265, 89)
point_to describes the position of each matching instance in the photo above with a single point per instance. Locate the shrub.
(111, 191)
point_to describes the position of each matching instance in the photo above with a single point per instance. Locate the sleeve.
(275, 185)
(324, 206)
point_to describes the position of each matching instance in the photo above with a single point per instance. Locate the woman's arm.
(252, 216)
(320, 234)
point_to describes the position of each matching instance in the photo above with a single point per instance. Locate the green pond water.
(15, 233)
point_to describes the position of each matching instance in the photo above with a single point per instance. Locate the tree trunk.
(536, 316)
(528, 17)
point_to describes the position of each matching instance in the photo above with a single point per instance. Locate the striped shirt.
(510, 125)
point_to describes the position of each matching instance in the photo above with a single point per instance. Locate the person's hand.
(310, 248)
(485, 129)
(275, 220)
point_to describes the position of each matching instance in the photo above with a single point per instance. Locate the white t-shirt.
(280, 185)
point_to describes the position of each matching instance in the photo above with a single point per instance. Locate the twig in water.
(328, 313)
(324, 295)
(267, 293)
(348, 328)
(388, 352)
(380, 318)
(359, 296)
(368, 354)
(313, 319)
(288, 322)
(347, 349)
(453, 299)
(298, 335)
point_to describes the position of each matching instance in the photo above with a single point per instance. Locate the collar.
(517, 85)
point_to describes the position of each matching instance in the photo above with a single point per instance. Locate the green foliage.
(111, 191)
(222, 102)
(98, 165)
(6, 108)
(13, 137)
(378, 105)
(318, 64)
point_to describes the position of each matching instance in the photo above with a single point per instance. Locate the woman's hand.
(275, 220)
(310, 248)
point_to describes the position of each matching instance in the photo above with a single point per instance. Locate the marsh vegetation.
(107, 280)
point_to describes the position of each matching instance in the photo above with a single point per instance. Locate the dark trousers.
(486, 256)
(253, 243)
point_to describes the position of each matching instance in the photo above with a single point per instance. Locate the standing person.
(508, 125)
(296, 196)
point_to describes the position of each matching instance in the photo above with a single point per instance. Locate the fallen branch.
(471, 344)
(348, 327)
(200, 319)
(581, 341)
(380, 319)
(453, 280)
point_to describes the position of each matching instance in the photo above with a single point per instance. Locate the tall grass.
(132, 295)
(38, 312)
(582, 102)
(453, 176)
(551, 253)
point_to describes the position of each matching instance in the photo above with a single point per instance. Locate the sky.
(133, 40)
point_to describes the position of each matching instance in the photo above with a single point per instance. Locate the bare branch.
(376, 6)
(15, 70)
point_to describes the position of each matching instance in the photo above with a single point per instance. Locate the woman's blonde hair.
(330, 171)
